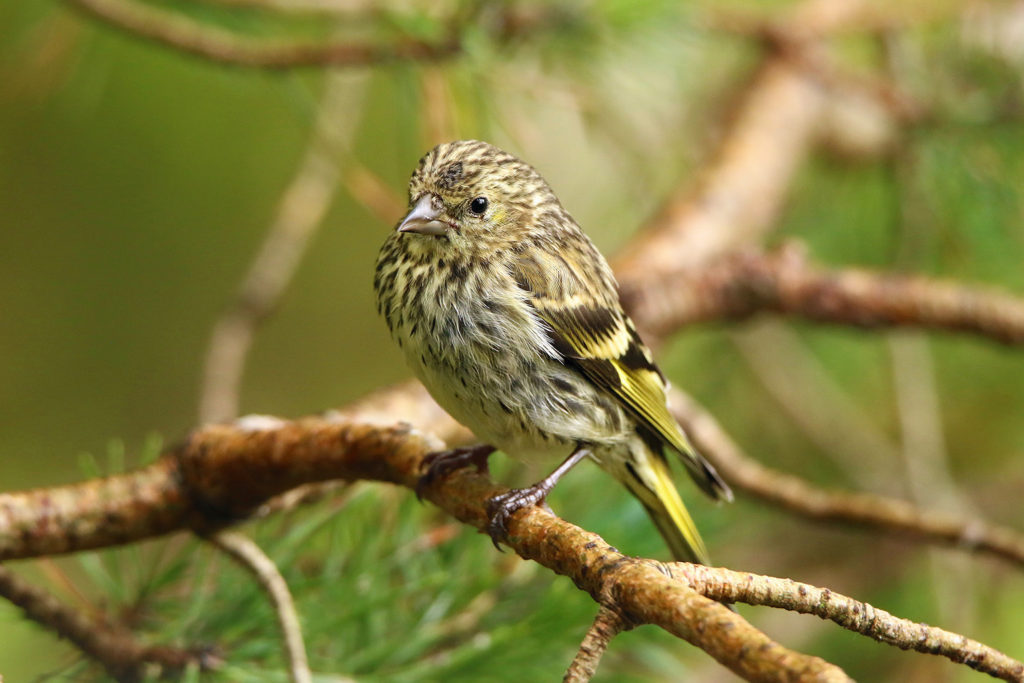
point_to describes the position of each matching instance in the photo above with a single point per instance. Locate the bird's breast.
(474, 340)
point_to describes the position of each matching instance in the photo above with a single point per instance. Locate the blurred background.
(137, 184)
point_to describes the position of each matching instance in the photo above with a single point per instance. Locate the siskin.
(511, 318)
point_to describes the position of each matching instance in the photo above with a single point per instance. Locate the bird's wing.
(595, 336)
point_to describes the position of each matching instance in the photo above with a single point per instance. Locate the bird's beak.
(424, 218)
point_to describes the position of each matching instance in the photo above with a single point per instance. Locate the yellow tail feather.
(648, 478)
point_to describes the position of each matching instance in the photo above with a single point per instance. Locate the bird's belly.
(493, 402)
(528, 405)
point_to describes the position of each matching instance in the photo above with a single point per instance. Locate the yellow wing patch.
(593, 334)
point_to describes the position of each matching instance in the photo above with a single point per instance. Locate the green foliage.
(371, 571)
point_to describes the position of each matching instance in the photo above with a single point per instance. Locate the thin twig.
(339, 492)
(924, 452)
(817, 405)
(299, 214)
(607, 624)
(186, 35)
(929, 480)
(344, 8)
(863, 509)
(114, 647)
(251, 557)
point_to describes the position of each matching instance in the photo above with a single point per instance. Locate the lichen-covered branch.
(93, 514)
(607, 624)
(731, 586)
(220, 475)
(224, 472)
(795, 494)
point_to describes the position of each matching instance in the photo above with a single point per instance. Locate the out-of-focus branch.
(174, 30)
(345, 8)
(851, 614)
(299, 214)
(863, 509)
(789, 100)
(115, 648)
(740, 192)
(819, 19)
(814, 402)
(186, 35)
(746, 283)
(252, 558)
(372, 193)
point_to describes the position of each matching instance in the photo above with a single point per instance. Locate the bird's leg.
(440, 463)
(500, 508)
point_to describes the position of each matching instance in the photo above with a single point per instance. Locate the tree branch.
(862, 509)
(741, 190)
(299, 214)
(251, 557)
(742, 284)
(607, 624)
(116, 648)
(225, 472)
(167, 28)
(730, 586)
(174, 30)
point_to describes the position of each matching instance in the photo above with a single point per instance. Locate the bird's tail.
(647, 476)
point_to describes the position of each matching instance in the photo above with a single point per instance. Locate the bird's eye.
(478, 205)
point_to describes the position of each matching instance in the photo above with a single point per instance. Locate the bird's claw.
(442, 463)
(501, 507)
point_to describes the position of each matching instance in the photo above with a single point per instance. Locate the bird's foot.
(442, 463)
(501, 507)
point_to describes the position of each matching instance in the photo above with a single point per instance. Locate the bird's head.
(470, 195)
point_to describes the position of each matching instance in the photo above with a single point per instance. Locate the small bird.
(511, 318)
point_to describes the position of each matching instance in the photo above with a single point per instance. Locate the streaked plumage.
(510, 317)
